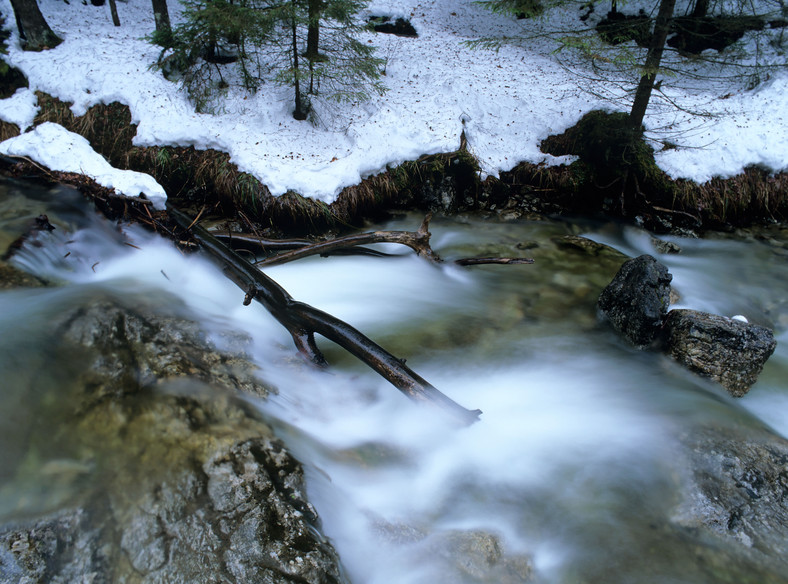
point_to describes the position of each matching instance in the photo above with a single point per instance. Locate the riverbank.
(436, 139)
(448, 183)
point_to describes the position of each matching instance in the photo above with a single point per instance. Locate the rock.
(179, 481)
(459, 555)
(736, 493)
(133, 347)
(588, 246)
(478, 556)
(726, 350)
(665, 247)
(637, 299)
(12, 277)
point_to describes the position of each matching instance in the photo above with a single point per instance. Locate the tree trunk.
(314, 8)
(113, 9)
(162, 16)
(653, 59)
(32, 27)
(701, 8)
(300, 111)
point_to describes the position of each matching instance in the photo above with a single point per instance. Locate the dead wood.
(418, 241)
(480, 261)
(268, 246)
(303, 321)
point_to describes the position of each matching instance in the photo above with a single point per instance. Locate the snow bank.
(58, 149)
(505, 101)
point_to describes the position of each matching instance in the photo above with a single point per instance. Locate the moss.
(618, 172)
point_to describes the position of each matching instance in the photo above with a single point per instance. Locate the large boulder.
(146, 467)
(637, 299)
(729, 351)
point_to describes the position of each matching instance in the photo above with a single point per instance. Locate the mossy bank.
(614, 174)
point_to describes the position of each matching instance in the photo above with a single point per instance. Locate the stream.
(577, 463)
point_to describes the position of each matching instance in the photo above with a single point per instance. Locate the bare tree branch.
(303, 321)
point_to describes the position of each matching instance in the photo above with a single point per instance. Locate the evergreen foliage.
(308, 45)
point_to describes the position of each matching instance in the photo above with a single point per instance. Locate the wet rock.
(727, 350)
(134, 348)
(180, 480)
(588, 246)
(737, 493)
(478, 556)
(665, 247)
(12, 277)
(461, 556)
(637, 299)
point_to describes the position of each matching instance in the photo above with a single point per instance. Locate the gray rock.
(729, 351)
(460, 556)
(637, 299)
(181, 482)
(736, 493)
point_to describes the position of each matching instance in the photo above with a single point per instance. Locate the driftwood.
(295, 249)
(303, 321)
(502, 261)
(418, 241)
(267, 245)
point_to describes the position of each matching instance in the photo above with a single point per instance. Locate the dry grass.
(8, 130)
(108, 128)
(208, 178)
(754, 195)
(367, 199)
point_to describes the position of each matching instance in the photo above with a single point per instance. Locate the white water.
(574, 460)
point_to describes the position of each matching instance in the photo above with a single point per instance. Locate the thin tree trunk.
(300, 111)
(653, 59)
(701, 8)
(162, 16)
(33, 28)
(113, 9)
(314, 8)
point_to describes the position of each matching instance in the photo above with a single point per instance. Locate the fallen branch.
(480, 261)
(303, 321)
(418, 241)
(267, 245)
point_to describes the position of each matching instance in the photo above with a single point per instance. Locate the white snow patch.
(53, 146)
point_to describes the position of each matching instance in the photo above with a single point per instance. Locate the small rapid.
(577, 462)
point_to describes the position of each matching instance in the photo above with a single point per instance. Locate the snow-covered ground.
(506, 101)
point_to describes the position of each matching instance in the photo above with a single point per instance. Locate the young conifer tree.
(310, 46)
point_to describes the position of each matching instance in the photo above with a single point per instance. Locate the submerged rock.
(460, 555)
(637, 299)
(727, 350)
(736, 494)
(178, 480)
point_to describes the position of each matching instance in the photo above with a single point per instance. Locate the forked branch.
(303, 321)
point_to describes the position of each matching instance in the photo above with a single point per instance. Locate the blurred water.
(573, 461)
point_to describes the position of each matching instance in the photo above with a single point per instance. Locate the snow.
(58, 149)
(506, 101)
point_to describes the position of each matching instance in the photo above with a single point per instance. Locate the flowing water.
(573, 463)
